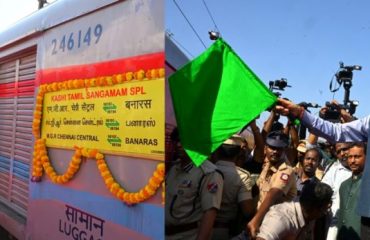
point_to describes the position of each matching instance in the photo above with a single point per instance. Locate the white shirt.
(285, 221)
(334, 177)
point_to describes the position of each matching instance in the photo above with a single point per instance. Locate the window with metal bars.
(17, 88)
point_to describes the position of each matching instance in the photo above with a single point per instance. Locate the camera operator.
(355, 131)
(343, 115)
(272, 124)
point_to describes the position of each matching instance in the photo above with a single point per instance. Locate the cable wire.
(178, 7)
(210, 15)
(171, 35)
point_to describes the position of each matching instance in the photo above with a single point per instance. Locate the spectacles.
(342, 150)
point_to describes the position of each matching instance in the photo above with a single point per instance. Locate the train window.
(17, 86)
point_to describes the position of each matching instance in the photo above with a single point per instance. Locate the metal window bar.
(17, 77)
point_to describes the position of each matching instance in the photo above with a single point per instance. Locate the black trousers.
(365, 228)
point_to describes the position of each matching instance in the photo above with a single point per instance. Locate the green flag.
(214, 96)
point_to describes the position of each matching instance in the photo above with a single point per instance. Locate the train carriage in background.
(82, 109)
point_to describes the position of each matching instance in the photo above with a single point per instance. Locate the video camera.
(345, 73)
(332, 114)
(279, 85)
(343, 76)
(309, 105)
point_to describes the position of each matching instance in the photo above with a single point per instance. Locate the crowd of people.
(269, 184)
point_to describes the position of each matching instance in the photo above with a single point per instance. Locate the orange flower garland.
(42, 163)
(130, 198)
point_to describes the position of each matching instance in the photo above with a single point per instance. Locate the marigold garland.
(41, 162)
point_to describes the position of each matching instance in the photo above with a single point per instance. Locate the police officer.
(237, 187)
(277, 180)
(193, 196)
(295, 220)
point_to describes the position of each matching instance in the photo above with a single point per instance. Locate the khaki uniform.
(285, 221)
(189, 192)
(282, 178)
(237, 188)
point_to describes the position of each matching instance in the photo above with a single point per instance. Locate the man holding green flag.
(214, 96)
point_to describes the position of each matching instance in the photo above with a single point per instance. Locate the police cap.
(277, 139)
